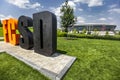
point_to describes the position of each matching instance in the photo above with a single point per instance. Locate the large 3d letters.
(12, 26)
(26, 37)
(9, 30)
(5, 30)
(44, 31)
(45, 24)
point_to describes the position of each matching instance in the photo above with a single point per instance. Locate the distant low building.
(91, 27)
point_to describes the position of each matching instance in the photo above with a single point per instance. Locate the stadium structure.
(91, 27)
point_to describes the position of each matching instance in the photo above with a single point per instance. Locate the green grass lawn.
(1, 32)
(13, 69)
(1, 39)
(96, 60)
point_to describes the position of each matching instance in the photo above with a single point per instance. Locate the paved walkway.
(1, 37)
(53, 67)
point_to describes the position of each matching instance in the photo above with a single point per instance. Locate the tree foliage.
(67, 18)
(0, 23)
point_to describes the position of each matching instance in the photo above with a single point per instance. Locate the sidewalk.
(53, 67)
(1, 37)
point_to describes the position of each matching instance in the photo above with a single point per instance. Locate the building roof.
(94, 24)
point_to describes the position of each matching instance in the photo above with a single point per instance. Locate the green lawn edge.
(96, 59)
(13, 69)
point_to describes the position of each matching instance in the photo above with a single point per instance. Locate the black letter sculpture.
(45, 37)
(26, 39)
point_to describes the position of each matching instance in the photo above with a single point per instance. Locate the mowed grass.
(96, 59)
(17, 32)
(1, 39)
(13, 69)
(1, 32)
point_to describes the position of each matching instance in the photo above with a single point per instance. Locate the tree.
(107, 33)
(67, 18)
(84, 31)
(0, 23)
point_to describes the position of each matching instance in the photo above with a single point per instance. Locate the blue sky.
(86, 11)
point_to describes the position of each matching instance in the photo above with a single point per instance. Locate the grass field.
(12, 69)
(1, 39)
(96, 60)
(1, 32)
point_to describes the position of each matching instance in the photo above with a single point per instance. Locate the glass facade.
(95, 27)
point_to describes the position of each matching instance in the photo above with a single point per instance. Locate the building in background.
(91, 27)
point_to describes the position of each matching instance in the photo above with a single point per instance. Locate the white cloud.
(114, 10)
(80, 20)
(90, 16)
(2, 17)
(80, 9)
(103, 19)
(113, 6)
(95, 3)
(26, 4)
(72, 4)
(90, 3)
(56, 11)
(110, 18)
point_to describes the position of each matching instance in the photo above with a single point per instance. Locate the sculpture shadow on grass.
(70, 38)
(58, 53)
(61, 52)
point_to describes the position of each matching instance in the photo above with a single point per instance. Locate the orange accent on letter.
(12, 26)
(5, 30)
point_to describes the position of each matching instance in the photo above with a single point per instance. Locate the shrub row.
(106, 37)
(61, 34)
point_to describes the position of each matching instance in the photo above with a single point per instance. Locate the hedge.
(105, 37)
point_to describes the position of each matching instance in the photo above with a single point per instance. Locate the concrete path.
(1, 37)
(53, 67)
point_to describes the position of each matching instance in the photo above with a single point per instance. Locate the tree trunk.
(66, 30)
